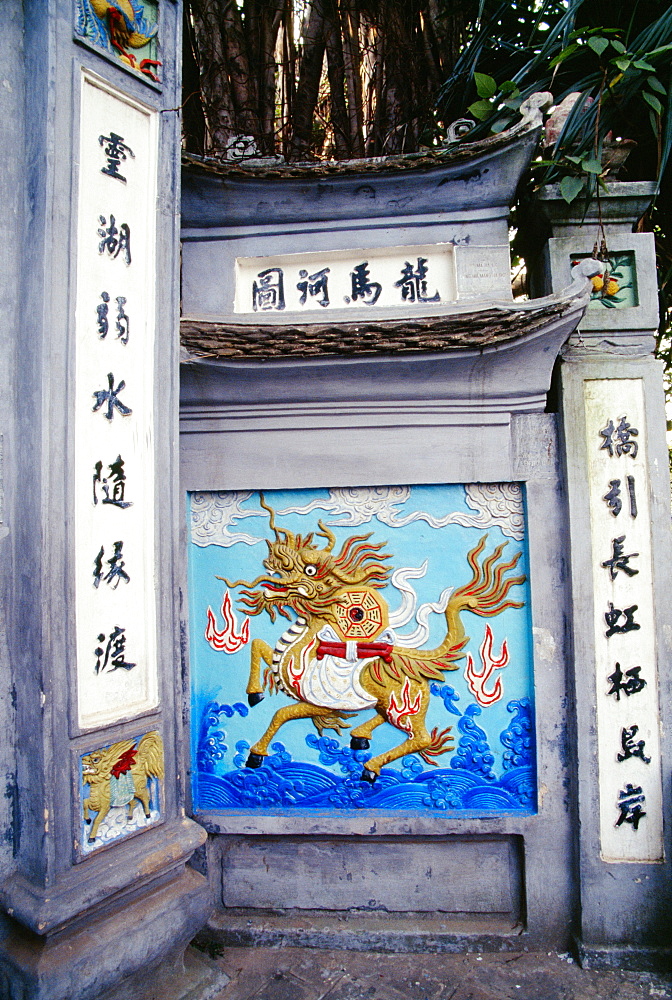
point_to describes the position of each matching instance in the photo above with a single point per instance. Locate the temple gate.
(381, 446)
(375, 651)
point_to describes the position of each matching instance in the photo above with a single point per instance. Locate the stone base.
(350, 933)
(133, 937)
(623, 956)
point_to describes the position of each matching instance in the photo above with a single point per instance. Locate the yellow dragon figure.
(118, 775)
(127, 29)
(338, 657)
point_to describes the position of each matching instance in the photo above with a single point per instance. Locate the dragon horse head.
(308, 579)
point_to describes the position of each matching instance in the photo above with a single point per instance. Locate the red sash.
(364, 650)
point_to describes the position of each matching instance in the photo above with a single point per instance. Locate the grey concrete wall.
(626, 904)
(286, 869)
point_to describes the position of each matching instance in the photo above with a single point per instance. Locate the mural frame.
(471, 786)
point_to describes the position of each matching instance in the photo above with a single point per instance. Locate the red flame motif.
(226, 640)
(294, 675)
(478, 680)
(397, 712)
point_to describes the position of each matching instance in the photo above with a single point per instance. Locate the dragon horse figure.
(119, 775)
(339, 656)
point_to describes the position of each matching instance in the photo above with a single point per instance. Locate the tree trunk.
(243, 80)
(350, 24)
(308, 87)
(385, 60)
(193, 118)
(340, 122)
(216, 94)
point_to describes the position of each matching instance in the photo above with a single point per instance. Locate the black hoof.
(369, 776)
(254, 699)
(359, 743)
(88, 821)
(255, 760)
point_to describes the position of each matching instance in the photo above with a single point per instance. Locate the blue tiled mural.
(361, 648)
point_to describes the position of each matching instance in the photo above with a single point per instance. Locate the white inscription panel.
(114, 399)
(412, 277)
(483, 271)
(631, 818)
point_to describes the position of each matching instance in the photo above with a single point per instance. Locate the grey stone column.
(84, 909)
(616, 463)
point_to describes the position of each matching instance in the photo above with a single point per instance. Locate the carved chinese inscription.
(627, 710)
(115, 598)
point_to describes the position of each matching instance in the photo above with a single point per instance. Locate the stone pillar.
(97, 886)
(613, 415)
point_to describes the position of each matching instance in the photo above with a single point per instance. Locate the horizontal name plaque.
(412, 278)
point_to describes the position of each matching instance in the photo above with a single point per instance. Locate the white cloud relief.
(212, 514)
(495, 505)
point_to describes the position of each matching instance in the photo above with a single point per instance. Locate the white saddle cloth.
(333, 681)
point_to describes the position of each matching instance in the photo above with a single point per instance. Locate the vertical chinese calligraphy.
(115, 549)
(630, 789)
(116, 151)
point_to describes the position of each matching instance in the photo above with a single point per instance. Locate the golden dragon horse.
(119, 775)
(339, 657)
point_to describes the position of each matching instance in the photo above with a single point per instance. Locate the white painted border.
(110, 697)
(604, 400)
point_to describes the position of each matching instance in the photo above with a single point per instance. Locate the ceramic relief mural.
(126, 30)
(362, 648)
(120, 789)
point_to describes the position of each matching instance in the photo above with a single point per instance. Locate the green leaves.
(493, 97)
(653, 102)
(619, 78)
(565, 54)
(592, 166)
(598, 44)
(571, 187)
(486, 87)
(655, 84)
(481, 109)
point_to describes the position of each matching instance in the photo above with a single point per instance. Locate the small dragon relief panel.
(346, 663)
(121, 790)
(126, 30)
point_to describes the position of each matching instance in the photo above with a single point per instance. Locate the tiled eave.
(477, 327)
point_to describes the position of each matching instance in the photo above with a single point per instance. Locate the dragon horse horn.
(271, 514)
(324, 532)
(280, 534)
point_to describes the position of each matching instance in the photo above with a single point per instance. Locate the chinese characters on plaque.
(271, 292)
(626, 688)
(114, 463)
(402, 277)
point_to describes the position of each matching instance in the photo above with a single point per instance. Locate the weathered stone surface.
(103, 948)
(324, 975)
(342, 874)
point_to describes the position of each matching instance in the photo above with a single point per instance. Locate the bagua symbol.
(339, 655)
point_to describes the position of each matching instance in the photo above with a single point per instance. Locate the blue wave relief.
(470, 783)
